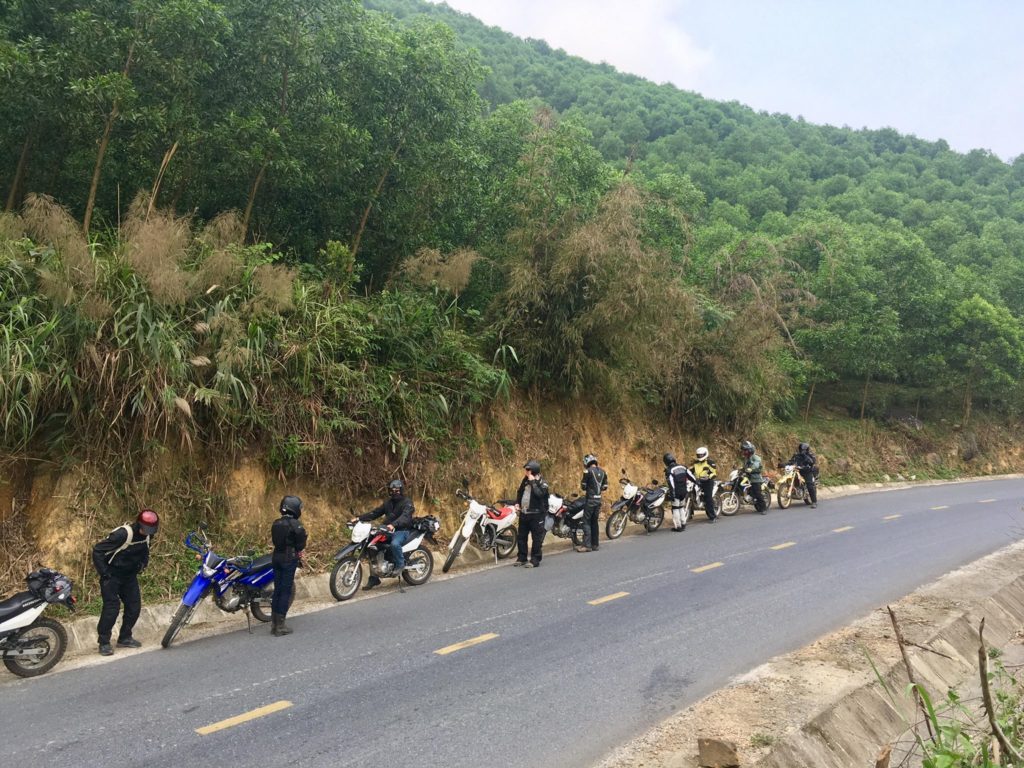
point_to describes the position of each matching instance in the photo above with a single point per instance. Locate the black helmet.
(396, 487)
(148, 522)
(669, 459)
(589, 459)
(291, 506)
(747, 447)
(804, 448)
(533, 465)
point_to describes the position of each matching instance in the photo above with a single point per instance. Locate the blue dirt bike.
(237, 584)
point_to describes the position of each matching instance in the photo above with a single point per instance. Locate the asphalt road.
(561, 682)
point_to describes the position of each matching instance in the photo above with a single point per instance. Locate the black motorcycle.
(565, 518)
(644, 506)
(30, 643)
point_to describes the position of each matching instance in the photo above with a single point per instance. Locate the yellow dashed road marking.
(844, 529)
(707, 567)
(941, 506)
(607, 598)
(785, 545)
(465, 644)
(277, 706)
(987, 501)
(891, 517)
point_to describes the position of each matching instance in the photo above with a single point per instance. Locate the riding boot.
(275, 623)
(282, 628)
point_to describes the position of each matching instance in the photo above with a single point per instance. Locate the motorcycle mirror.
(465, 482)
(623, 470)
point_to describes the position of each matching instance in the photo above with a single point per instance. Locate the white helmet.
(702, 453)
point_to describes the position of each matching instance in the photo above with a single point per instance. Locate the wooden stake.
(910, 671)
(986, 695)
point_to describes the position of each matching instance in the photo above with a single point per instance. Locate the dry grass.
(223, 231)
(450, 272)
(275, 289)
(157, 247)
(49, 223)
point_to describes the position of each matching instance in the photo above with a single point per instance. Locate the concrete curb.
(313, 590)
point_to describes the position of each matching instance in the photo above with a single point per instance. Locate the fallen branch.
(986, 693)
(910, 672)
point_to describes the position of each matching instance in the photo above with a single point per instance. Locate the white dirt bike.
(488, 527)
(30, 643)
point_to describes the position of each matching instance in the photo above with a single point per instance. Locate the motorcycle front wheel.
(730, 504)
(505, 542)
(616, 524)
(260, 605)
(346, 578)
(654, 519)
(785, 494)
(44, 631)
(419, 564)
(453, 553)
(180, 618)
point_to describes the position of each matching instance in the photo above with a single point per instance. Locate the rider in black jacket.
(593, 484)
(398, 512)
(806, 462)
(289, 538)
(532, 498)
(676, 476)
(119, 559)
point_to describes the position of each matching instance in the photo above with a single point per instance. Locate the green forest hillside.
(337, 230)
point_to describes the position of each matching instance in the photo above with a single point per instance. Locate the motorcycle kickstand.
(248, 619)
(495, 551)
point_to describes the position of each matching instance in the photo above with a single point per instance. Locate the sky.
(935, 69)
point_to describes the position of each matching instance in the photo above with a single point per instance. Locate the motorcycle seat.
(261, 563)
(652, 496)
(14, 605)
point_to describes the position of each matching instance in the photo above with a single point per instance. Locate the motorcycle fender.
(196, 590)
(467, 527)
(346, 551)
(23, 619)
(619, 504)
(412, 544)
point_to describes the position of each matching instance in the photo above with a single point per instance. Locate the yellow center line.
(465, 644)
(607, 598)
(707, 567)
(891, 517)
(784, 545)
(844, 529)
(987, 501)
(277, 706)
(941, 506)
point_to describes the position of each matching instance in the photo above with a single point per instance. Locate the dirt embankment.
(51, 514)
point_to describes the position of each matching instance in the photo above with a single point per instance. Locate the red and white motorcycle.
(487, 526)
(565, 518)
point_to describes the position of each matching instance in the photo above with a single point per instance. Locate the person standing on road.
(594, 483)
(119, 559)
(289, 539)
(806, 463)
(705, 471)
(752, 468)
(398, 511)
(676, 476)
(532, 499)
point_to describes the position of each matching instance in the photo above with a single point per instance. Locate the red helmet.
(148, 522)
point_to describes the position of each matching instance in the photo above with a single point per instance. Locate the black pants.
(807, 473)
(757, 496)
(591, 526)
(117, 590)
(284, 585)
(707, 489)
(531, 525)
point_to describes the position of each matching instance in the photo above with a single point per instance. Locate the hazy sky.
(933, 68)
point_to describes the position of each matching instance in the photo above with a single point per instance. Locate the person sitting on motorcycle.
(532, 500)
(705, 471)
(398, 512)
(676, 476)
(752, 468)
(806, 462)
(593, 484)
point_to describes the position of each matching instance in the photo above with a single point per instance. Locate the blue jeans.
(399, 540)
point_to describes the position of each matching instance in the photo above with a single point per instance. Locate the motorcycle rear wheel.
(505, 542)
(654, 520)
(730, 504)
(42, 630)
(616, 524)
(419, 565)
(453, 553)
(260, 606)
(178, 620)
(345, 587)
